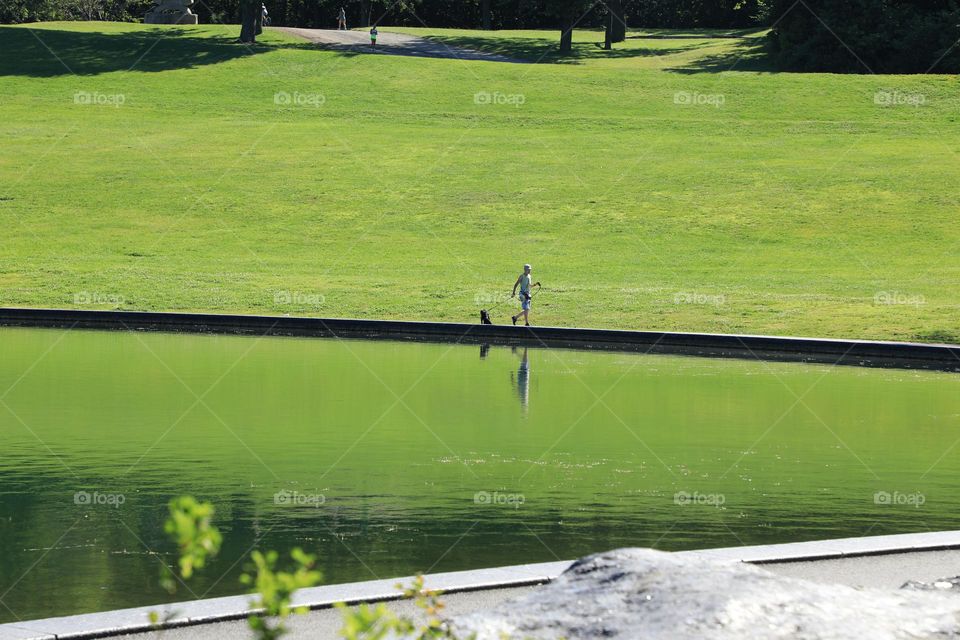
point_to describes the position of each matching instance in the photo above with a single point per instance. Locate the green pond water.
(389, 458)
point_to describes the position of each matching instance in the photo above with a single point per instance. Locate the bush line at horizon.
(504, 14)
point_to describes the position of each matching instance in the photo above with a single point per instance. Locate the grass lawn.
(165, 168)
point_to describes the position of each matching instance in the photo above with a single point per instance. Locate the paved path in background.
(887, 571)
(398, 44)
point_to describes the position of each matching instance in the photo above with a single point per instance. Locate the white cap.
(526, 266)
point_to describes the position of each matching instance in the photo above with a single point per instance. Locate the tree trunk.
(249, 20)
(608, 38)
(618, 24)
(485, 11)
(566, 35)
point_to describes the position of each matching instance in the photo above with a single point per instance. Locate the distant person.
(373, 36)
(342, 20)
(264, 14)
(526, 284)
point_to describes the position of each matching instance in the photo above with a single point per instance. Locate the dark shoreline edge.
(865, 353)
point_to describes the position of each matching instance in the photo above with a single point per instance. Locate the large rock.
(640, 593)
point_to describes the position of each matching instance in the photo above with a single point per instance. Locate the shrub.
(864, 36)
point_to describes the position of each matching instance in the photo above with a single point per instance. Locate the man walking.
(525, 283)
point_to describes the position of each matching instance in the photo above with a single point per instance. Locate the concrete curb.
(196, 612)
(848, 352)
(832, 549)
(123, 621)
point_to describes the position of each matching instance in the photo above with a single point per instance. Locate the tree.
(485, 14)
(618, 21)
(251, 21)
(569, 13)
(615, 22)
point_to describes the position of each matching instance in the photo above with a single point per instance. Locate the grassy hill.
(675, 183)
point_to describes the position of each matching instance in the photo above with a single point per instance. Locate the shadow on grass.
(748, 54)
(693, 34)
(54, 52)
(543, 51)
(748, 50)
(419, 48)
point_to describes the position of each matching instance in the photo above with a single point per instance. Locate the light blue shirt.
(525, 283)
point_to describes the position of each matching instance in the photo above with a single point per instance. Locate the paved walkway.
(325, 624)
(398, 44)
(882, 572)
(888, 571)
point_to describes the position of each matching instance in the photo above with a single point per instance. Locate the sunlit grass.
(655, 190)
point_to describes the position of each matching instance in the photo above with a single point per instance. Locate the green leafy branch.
(276, 589)
(190, 526)
(377, 623)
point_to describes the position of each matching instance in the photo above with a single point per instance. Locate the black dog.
(484, 317)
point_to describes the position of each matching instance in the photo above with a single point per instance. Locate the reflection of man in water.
(523, 380)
